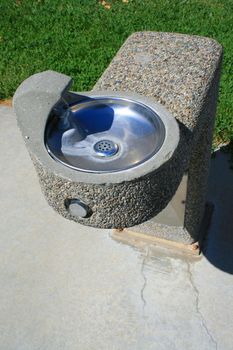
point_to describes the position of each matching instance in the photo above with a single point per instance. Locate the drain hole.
(106, 148)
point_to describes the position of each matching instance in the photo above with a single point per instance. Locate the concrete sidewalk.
(65, 286)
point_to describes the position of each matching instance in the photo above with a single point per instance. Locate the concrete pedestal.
(182, 73)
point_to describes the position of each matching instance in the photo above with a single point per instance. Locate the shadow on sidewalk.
(218, 248)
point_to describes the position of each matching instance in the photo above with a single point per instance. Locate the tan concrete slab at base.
(137, 239)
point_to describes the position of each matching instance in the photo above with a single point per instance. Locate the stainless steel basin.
(104, 134)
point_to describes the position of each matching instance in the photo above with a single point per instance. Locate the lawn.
(79, 38)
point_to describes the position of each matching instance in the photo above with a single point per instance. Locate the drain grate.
(106, 148)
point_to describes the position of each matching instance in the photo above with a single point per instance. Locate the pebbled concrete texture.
(175, 69)
(66, 286)
(113, 205)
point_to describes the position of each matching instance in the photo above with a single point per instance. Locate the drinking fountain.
(105, 159)
(134, 152)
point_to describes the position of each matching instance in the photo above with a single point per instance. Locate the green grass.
(79, 38)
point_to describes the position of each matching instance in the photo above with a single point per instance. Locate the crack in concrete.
(203, 321)
(144, 279)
